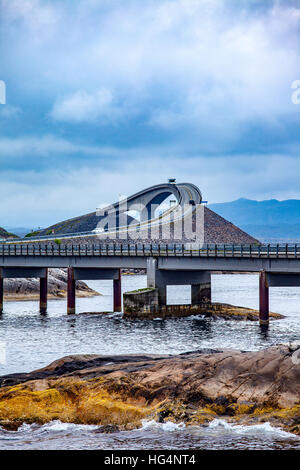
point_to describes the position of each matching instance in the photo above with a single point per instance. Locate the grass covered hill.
(5, 234)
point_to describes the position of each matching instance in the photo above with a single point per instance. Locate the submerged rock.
(193, 387)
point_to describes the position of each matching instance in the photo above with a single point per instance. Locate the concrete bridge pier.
(17, 272)
(44, 292)
(263, 299)
(93, 273)
(1, 291)
(200, 282)
(162, 296)
(117, 288)
(273, 279)
(201, 292)
(71, 295)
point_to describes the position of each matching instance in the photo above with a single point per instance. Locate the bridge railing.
(156, 250)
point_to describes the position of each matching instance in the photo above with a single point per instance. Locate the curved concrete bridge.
(113, 220)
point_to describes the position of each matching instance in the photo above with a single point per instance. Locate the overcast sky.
(106, 97)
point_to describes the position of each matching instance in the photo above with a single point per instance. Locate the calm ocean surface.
(29, 341)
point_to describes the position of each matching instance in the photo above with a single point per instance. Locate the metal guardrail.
(54, 236)
(155, 250)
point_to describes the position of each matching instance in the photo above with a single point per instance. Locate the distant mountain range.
(270, 220)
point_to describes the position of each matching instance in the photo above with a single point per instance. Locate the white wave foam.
(168, 426)
(114, 314)
(250, 429)
(196, 317)
(219, 423)
(57, 426)
(215, 426)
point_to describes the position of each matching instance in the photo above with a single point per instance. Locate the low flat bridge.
(166, 264)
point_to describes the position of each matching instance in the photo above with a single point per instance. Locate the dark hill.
(5, 234)
(216, 228)
(219, 230)
(83, 223)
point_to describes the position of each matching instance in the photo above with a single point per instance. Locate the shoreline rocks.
(195, 387)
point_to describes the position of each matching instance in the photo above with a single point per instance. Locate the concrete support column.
(43, 292)
(162, 296)
(151, 272)
(1, 291)
(200, 293)
(263, 299)
(71, 292)
(154, 281)
(118, 294)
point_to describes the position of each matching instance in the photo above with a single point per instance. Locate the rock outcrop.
(194, 387)
(28, 289)
(144, 304)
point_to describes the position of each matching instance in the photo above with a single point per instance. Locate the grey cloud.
(183, 63)
(46, 197)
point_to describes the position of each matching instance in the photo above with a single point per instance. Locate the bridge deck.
(177, 263)
(287, 251)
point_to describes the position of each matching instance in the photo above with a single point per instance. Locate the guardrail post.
(44, 292)
(71, 296)
(1, 291)
(263, 299)
(118, 294)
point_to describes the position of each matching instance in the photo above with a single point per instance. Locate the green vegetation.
(57, 241)
(5, 234)
(32, 234)
(145, 289)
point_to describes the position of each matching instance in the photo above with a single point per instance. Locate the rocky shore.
(29, 289)
(194, 387)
